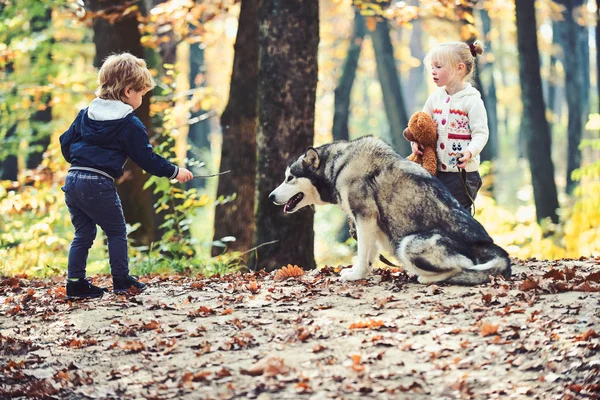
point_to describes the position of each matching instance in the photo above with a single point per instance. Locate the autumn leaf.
(189, 377)
(487, 298)
(222, 373)
(288, 272)
(554, 274)
(253, 287)
(151, 326)
(356, 363)
(370, 324)
(303, 387)
(133, 346)
(203, 311)
(268, 366)
(528, 284)
(488, 329)
(590, 334)
(318, 348)
(593, 277)
(586, 287)
(569, 273)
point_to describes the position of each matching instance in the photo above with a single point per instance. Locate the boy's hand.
(416, 148)
(466, 156)
(184, 175)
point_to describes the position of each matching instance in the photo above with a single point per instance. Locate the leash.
(208, 176)
(463, 180)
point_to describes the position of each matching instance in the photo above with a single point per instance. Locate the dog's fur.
(397, 207)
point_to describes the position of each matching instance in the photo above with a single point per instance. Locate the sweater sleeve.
(479, 126)
(140, 151)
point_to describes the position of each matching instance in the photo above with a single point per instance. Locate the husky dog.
(396, 206)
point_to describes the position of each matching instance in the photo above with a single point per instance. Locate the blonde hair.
(451, 54)
(120, 71)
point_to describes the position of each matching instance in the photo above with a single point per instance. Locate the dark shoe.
(83, 289)
(121, 284)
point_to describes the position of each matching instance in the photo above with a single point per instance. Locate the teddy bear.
(423, 130)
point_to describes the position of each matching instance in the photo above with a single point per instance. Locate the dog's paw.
(352, 274)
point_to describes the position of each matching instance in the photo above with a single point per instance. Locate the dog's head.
(298, 188)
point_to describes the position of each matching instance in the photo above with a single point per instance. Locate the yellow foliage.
(578, 233)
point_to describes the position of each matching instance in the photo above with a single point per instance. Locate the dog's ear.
(311, 158)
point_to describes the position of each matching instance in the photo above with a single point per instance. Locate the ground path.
(309, 337)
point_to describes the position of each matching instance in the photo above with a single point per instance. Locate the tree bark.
(287, 80)
(597, 51)
(490, 151)
(391, 86)
(41, 59)
(534, 114)
(416, 78)
(120, 36)
(199, 127)
(492, 127)
(341, 114)
(9, 163)
(9, 166)
(238, 124)
(573, 60)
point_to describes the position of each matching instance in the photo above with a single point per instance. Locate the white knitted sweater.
(461, 125)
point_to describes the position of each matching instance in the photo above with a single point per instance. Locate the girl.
(457, 109)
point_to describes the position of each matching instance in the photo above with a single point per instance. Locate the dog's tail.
(490, 259)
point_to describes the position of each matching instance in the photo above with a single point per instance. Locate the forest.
(214, 100)
(246, 301)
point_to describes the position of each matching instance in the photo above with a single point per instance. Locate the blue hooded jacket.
(105, 134)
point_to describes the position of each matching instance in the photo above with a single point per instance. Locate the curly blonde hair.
(453, 53)
(121, 71)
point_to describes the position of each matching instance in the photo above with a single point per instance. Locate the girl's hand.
(416, 148)
(184, 175)
(465, 158)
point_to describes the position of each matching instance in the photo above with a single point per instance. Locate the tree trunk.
(490, 151)
(534, 113)
(238, 124)
(9, 166)
(416, 78)
(391, 86)
(551, 98)
(120, 36)
(287, 81)
(492, 127)
(568, 38)
(341, 114)
(41, 59)
(598, 51)
(9, 163)
(199, 127)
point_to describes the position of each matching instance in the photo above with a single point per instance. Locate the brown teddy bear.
(423, 130)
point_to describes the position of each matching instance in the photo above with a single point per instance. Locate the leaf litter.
(306, 334)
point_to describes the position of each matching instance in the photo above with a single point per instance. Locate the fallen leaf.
(291, 271)
(268, 366)
(370, 324)
(488, 329)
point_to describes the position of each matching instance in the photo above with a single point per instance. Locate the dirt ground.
(308, 337)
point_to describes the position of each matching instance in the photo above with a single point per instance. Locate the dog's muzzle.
(290, 205)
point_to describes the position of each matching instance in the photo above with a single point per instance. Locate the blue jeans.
(92, 200)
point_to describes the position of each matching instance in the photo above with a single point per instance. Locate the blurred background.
(538, 77)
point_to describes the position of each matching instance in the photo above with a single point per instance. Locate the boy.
(97, 146)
